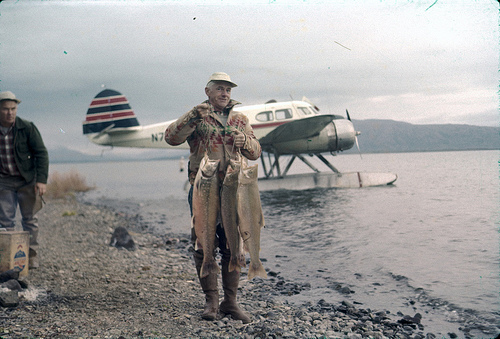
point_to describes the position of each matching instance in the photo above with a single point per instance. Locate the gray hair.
(211, 83)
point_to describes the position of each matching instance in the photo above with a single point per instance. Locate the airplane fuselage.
(290, 128)
(149, 136)
(337, 135)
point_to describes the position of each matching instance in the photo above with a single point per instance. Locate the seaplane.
(291, 129)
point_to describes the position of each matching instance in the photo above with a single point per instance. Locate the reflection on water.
(304, 220)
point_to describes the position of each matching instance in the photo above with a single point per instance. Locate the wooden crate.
(14, 251)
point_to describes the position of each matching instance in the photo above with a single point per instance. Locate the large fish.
(250, 218)
(229, 214)
(206, 205)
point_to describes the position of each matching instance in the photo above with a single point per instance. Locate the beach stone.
(12, 285)
(271, 315)
(9, 275)
(9, 299)
(389, 333)
(122, 239)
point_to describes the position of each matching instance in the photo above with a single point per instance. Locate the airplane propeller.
(356, 135)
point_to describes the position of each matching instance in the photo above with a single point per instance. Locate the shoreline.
(88, 289)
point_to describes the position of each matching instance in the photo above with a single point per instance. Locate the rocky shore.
(86, 288)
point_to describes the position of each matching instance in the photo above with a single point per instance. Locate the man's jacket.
(210, 136)
(32, 158)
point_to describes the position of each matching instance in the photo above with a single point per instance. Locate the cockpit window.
(264, 116)
(313, 110)
(304, 111)
(282, 114)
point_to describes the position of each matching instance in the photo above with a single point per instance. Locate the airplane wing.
(298, 129)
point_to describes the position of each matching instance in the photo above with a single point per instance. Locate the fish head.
(234, 165)
(249, 174)
(210, 167)
(231, 177)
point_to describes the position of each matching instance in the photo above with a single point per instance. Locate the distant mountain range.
(389, 136)
(377, 136)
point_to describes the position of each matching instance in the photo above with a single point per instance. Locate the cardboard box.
(14, 251)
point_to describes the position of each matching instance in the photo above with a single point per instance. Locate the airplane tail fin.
(109, 109)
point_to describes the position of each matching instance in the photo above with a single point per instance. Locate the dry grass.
(66, 184)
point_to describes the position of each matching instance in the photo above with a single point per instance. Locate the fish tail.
(234, 265)
(209, 267)
(256, 270)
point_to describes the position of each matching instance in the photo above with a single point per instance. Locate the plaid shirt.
(8, 165)
(210, 135)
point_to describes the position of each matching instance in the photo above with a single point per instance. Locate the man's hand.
(40, 188)
(202, 110)
(239, 138)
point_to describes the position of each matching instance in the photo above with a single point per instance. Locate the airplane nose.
(345, 135)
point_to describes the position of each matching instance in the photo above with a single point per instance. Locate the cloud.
(407, 61)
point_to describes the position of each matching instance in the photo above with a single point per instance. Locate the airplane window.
(264, 116)
(304, 111)
(313, 110)
(282, 114)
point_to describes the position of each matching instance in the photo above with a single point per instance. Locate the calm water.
(428, 244)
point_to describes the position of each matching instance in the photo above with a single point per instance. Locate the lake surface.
(429, 243)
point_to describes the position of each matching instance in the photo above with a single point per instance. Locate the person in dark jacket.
(24, 169)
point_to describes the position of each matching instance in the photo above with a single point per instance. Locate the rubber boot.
(33, 262)
(230, 282)
(209, 287)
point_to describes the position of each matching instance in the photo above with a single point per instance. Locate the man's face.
(219, 94)
(8, 111)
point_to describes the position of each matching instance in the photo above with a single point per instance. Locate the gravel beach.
(86, 288)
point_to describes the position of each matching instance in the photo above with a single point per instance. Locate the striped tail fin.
(109, 109)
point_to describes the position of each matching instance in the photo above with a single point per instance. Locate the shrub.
(65, 184)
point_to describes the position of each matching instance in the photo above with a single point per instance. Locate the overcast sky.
(422, 62)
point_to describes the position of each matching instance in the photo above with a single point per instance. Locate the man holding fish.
(225, 208)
